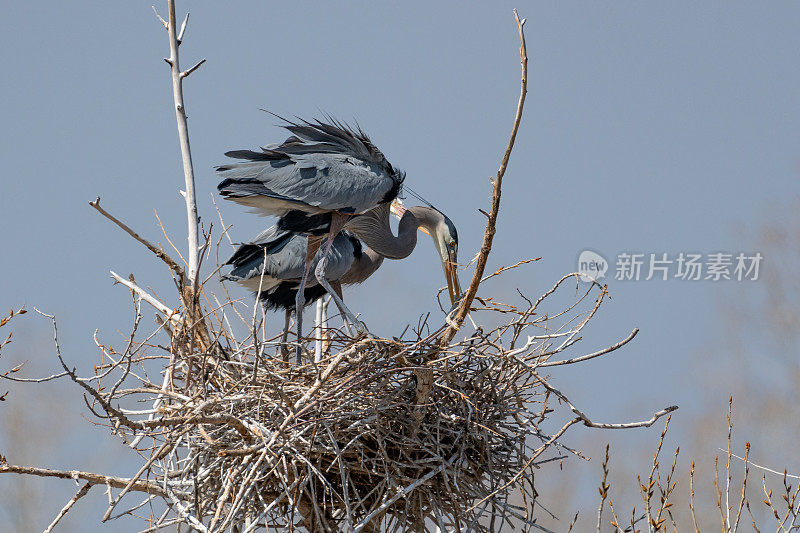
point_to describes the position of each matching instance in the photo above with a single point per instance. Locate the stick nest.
(386, 430)
(380, 433)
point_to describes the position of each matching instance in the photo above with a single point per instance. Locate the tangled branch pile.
(351, 439)
(379, 435)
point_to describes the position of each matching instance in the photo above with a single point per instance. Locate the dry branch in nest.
(240, 440)
(380, 434)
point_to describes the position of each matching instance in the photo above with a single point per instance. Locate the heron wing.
(281, 255)
(271, 240)
(312, 182)
(278, 254)
(321, 167)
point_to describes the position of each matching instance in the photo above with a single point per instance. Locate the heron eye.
(452, 244)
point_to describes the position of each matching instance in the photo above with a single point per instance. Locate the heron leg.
(337, 291)
(318, 326)
(263, 348)
(338, 220)
(336, 295)
(338, 288)
(326, 338)
(300, 299)
(285, 336)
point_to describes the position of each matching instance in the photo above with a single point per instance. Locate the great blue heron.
(316, 180)
(273, 262)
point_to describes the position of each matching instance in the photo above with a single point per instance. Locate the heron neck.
(427, 217)
(363, 267)
(401, 246)
(370, 262)
(373, 228)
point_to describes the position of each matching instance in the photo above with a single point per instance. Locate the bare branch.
(127, 488)
(588, 422)
(598, 353)
(497, 183)
(511, 267)
(603, 489)
(82, 383)
(186, 73)
(78, 495)
(400, 493)
(160, 18)
(630, 425)
(183, 136)
(157, 251)
(171, 314)
(183, 28)
(90, 477)
(764, 468)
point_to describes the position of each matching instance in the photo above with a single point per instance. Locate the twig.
(598, 353)
(183, 28)
(157, 251)
(183, 135)
(539, 451)
(160, 18)
(743, 498)
(588, 422)
(488, 234)
(691, 498)
(171, 314)
(400, 493)
(603, 489)
(94, 479)
(154, 457)
(5, 375)
(187, 72)
(78, 495)
(749, 462)
(510, 267)
(728, 474)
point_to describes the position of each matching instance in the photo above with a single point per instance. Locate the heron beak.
(451, 275)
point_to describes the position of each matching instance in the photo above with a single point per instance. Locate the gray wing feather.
(287, 261)
(327, 167)
(330, 182)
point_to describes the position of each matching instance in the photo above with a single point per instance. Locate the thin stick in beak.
(398, 210)
(453, 285)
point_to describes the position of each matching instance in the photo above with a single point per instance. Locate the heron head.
(445, 238)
